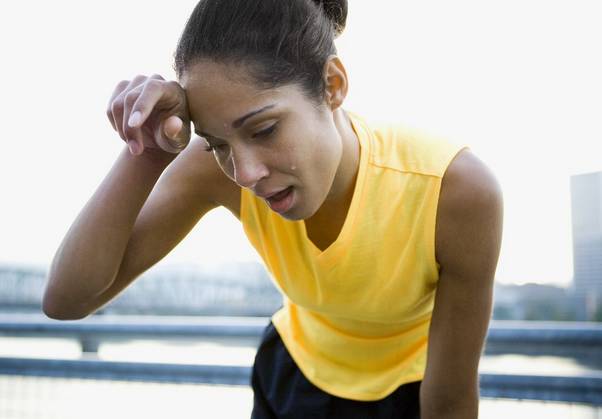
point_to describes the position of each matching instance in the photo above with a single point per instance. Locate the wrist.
(156, 157)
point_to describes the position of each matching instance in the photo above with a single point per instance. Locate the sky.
(518, 81)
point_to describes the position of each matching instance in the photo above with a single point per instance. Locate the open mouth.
(282, 200)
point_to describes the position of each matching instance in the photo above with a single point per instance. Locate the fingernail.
(174, 135)
(133, 147)
(134, 119)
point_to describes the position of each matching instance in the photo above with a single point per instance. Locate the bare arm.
(136, 216)
(110, 245)
(469, 232)
(190, 187)
(89, 256)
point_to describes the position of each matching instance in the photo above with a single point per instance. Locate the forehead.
(209, 71)
(221, 91)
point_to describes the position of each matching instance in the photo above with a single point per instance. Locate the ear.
(335, 82)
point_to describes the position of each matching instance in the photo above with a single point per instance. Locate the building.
(586, 214)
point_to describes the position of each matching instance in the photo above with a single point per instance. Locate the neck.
(343, 186)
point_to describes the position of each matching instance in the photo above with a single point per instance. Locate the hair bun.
(336, 10)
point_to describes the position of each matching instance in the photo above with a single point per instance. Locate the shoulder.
(407, 148)
(470, 210)
(467, 180)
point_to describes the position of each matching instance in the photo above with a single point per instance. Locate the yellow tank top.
(355, 316)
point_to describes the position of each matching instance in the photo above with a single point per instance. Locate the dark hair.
(280, 41)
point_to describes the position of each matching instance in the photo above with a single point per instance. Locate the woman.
(383, 241)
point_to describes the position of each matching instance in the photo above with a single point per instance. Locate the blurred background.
(519, 81)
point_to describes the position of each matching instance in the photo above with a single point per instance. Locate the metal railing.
(585, 335)
(502, 336)
(584, 388)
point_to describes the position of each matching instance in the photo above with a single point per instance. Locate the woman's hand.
(150, 113)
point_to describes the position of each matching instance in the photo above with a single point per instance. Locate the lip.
(283, 204)
(270, 194)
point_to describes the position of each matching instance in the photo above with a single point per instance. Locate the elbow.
(60, 309)
(56, 312)
(70, 297)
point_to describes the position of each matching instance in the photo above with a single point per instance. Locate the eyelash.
(264, 134)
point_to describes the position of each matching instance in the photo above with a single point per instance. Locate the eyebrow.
(238, 122)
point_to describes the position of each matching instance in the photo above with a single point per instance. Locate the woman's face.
(265, 140)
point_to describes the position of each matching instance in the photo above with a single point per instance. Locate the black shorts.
(280, 390)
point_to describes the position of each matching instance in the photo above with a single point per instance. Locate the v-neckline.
(362, 135)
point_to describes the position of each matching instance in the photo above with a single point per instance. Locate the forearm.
(88, 258)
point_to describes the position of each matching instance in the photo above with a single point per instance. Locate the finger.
(118, 89)
(117, 107)
(145, 98)
(117, 112)
(157, 77)
(173, 135)
(151, 93)
(130, 98)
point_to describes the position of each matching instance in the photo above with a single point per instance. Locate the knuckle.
(156, 77)
(117, 107)
(128, 134)
(139, 79)
(173, 84)
(130, 97)
(153, 84)
(121, 86)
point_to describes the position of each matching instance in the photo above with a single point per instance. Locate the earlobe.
(335, 82)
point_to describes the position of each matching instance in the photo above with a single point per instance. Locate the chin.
(294, 215)
(297, 214)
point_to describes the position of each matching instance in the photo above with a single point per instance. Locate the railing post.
(89, 344)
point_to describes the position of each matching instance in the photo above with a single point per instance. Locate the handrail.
(122, 326)
(127, 326)
(581, 388)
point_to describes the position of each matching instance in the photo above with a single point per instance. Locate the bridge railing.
(502, 336)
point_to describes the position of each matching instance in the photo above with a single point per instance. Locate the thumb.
(172, 127)
(174, 136)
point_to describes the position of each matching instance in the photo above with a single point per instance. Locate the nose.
(247, 168)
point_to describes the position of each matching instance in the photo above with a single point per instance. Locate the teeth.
(280, 194)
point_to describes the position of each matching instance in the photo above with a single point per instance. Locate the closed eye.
(263, 134)
(266, 132)
(211, 147)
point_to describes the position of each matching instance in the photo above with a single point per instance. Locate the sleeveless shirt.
(355, 317)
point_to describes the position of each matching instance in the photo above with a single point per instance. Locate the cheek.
(294, 163)
(310, 164)
(326, 161)
(323, 156)
(286, 157)
(226, 165)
